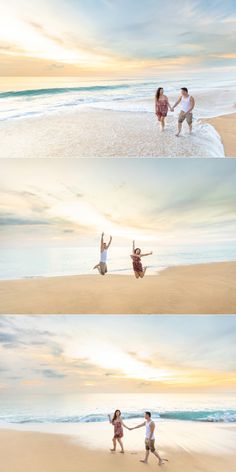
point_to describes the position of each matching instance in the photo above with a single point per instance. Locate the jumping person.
(118, 424)
(187, 106)
(139, 270)
(102, 265)
(149, 438)
(161, 105)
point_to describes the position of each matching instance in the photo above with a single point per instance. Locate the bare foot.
(177, 135)
(122, 452)
(113, 450)
(162, 461)
(143, 461)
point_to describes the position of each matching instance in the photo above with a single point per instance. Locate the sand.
(90, 132)
(24, 451)
(226, 126)
(193, 289)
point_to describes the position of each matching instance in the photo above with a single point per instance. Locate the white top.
(103, 257)
(148, 430)
(185, 104)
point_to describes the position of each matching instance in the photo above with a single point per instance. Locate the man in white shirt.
(149, 438)
(187, 106)
(102, 265)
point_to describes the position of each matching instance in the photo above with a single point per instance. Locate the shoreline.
(112, 273)
(225, 126)
(116, 133)
(192, 289)
(39, 451)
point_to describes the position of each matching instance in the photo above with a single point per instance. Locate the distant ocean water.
(94, 408)
(27, 262)
(129, 96)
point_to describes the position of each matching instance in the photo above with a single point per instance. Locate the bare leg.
(143, 273)
(121, 445)
(97, 266)
(190, 129)
(114, 445)
(179, 129)
(136, 275)
(145, 461)
(162, 123)
(160, 460)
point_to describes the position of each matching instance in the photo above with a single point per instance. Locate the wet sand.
(91, 132)
(209, 449)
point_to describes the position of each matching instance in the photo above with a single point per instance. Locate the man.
(149, 438)
(187, 106)
(102, 266)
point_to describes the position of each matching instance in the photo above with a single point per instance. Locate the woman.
(162, 105)
(139, 270)
(118, 424)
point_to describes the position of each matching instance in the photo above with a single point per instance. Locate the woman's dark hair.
(114, 416)
(158, 93)
(184, 89)
(137, 249)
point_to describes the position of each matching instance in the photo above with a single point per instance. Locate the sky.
(70, 202)
(64, 354)
(115, 37)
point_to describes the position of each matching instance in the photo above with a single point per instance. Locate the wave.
(209, 416)
(62, 90)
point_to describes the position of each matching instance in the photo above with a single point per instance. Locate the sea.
(27, 98)
(30, 262)
(94, 408)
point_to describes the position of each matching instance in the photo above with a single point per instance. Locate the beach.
(225, 126)
(191, 289)
(104, 133)
(188, 446)
(112, 119)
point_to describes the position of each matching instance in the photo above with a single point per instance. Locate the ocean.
(94, 408)
(28, 262)
(27, 98)
(51, 96)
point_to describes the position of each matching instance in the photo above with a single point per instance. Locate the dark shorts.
(118, 435)
(161, 114)
(150, 445)
(186, 116)
(103, 268)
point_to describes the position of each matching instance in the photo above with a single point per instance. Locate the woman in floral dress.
(118, 424)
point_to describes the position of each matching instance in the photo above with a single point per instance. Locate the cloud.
(115, 36)
(9, 340)
(15, 221)
(52, 374)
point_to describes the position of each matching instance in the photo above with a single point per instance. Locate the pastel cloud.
(69, 353)
(105, 37)
(174, 201)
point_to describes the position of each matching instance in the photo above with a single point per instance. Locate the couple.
(187, 105)
(118, 424)
(136, 256)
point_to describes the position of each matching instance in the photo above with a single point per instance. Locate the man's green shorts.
(186, 116)
(150, 445)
